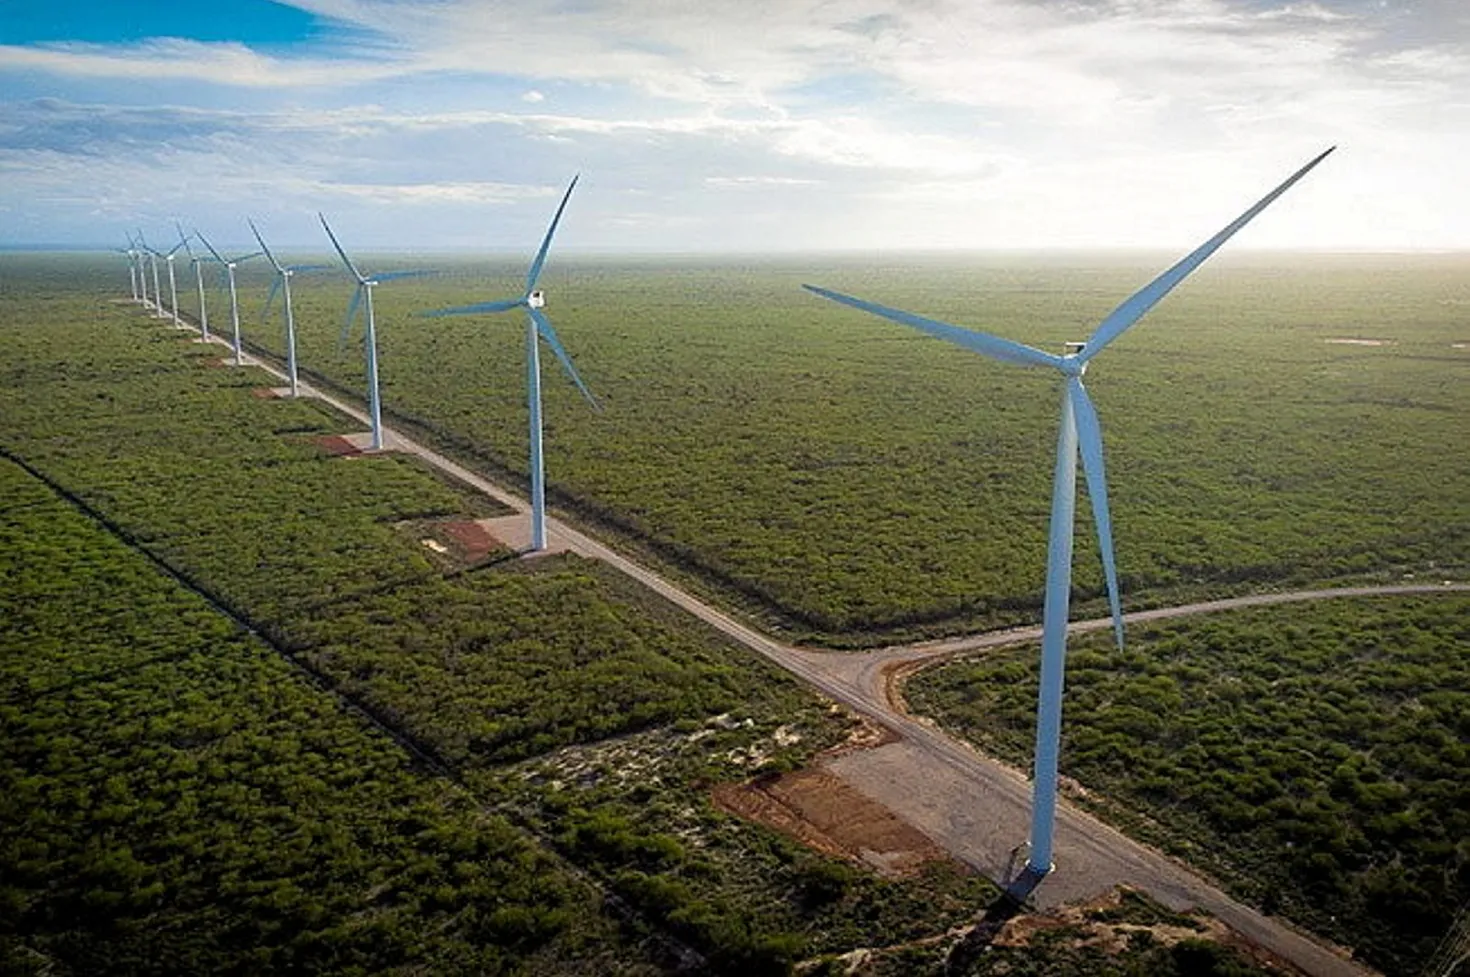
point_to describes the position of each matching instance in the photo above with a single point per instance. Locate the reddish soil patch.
(472, 540)
(825, 813)
(336, 445)
(264, 393)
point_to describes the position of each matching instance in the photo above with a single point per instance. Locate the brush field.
(855, 476)
(849, 481)
(250, 726)
(1313, 757)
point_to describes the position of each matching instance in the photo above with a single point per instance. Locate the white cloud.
(966, 122)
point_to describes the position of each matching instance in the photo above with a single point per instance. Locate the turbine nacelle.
(536, 299)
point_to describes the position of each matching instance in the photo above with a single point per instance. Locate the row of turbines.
(532, 300)
(1079, 430)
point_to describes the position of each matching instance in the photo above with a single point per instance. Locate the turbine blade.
(543, 327)
(246, 257)
(264, 250)
(1147, 297)
(504, 305)
(270, 297)
(535, 272)
(184, 240)
(205, 241)
(294, 268)
(345, 260)
(352, 308)
(992, 346)
(389, 276)
(1089, 440)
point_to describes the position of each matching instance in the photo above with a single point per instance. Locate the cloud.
(175, 59)
(967, 121)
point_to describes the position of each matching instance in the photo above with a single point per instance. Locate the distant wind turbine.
(153, 264)
(229, 265)
(131, 255)
(364, 296)
(138, 252)
(196, 261)
(173, 286)
(1078, 421)
(282, 284)
(533, 300)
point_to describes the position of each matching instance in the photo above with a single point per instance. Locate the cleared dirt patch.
(455, 544)
(824, 813)
(469, 540)
(337, 445)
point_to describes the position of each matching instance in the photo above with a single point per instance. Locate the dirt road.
(974, 807)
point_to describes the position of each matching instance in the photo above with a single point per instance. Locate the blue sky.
(762, 125)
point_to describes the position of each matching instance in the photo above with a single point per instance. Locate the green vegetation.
(485, 673)
(1313, 757)
(850, 481)
(175, 799)
(842, 498)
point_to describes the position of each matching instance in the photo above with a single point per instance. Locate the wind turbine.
(1078, 423)
(364, 296)
(230, 264)
(196, 261)
(173, 287)
(533, 300)
(153, 264)
(282, 284)
(132, 268)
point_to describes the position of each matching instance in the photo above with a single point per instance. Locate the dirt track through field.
(974, 807)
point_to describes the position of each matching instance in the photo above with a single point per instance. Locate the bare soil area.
(825, 813)
(337, 445)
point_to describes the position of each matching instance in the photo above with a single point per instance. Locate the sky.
(763, 126)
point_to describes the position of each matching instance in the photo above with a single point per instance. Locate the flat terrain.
(845, 480)
(414, 692)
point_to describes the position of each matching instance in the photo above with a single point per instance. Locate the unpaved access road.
(974, 807)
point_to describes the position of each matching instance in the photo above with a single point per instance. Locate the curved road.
(975, 807)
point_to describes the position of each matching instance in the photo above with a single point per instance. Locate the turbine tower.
(533, 300)
(229, 265)
(1078, 428)
(282, 284)
(364, 296)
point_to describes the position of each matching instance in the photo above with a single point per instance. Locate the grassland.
(1312, 757)
(850, 482)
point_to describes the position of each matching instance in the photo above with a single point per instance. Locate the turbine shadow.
(1010, 903)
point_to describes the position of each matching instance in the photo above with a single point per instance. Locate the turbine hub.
(537, 299)
(1071, 365)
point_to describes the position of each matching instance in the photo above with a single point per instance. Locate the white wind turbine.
(153, 255)
(363, 296)
(173, 285)
(282, 284)
(532, 300)
(131, 255)
(229, 266)
(197, 261)
(1079, 423)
